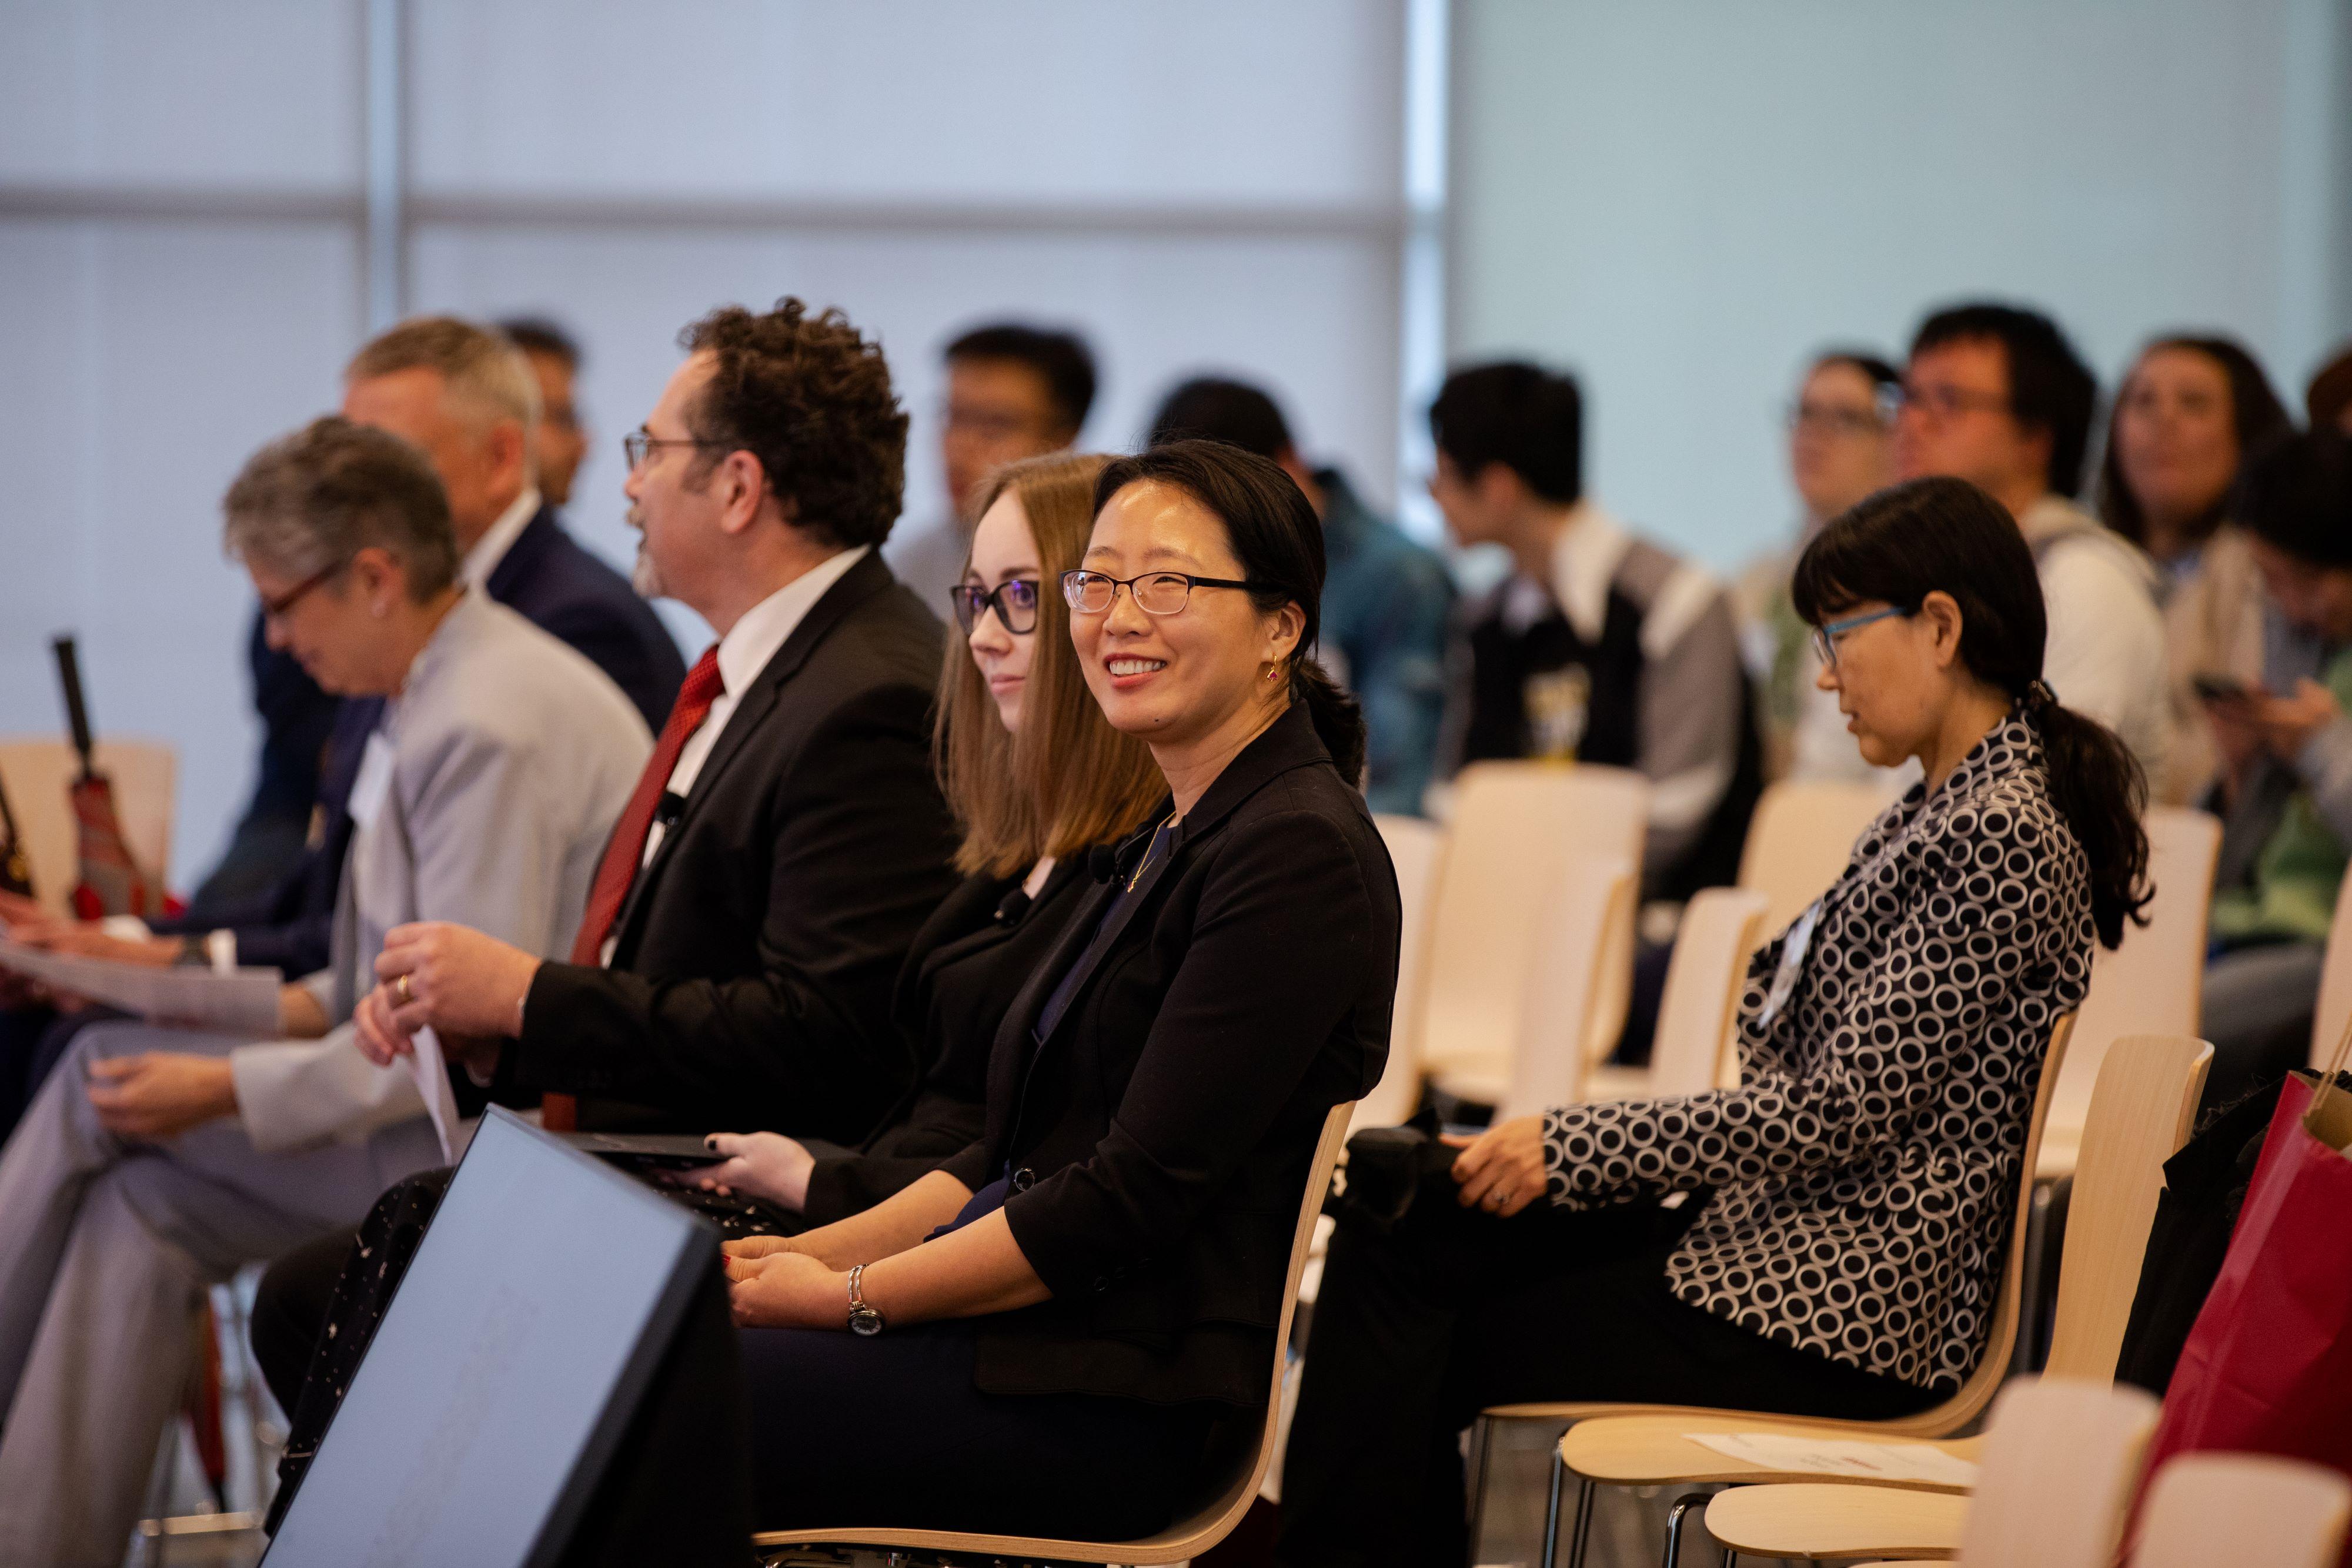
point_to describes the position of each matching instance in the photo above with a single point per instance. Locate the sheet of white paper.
(243, 1002)
(433, 1083)
(1842, 1456)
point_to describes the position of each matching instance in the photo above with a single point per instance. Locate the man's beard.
(645, 576)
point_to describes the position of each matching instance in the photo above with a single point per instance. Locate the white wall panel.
(139, 365)
(156, 93)
(1214, 102)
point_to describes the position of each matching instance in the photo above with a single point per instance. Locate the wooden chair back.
(1720, 930)
(2153, 983)
(1512, 830)
(2205, 1509)
(2060, 1461)
(2141, 1109)
(1800, 839)
(1416, 848)
(37, 770)
(1227, 1495)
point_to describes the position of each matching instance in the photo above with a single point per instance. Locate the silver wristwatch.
(863, 1319)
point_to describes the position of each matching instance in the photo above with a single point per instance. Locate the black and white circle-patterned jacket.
(1865, 1172)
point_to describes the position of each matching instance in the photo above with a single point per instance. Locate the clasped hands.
(773, 1285)
(466, 987)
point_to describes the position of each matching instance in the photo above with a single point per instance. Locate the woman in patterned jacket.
(1827, 1238)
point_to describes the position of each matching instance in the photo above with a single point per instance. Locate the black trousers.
(1420, 1327)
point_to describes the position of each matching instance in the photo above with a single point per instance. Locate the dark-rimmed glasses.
(1155, 592)
(640, 445)
(1826, 637)
(277, 609)
(1014, 600)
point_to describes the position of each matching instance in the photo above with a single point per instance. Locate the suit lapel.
(521, 556)
(862, 582)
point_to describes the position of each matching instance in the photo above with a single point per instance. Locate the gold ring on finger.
(407, 996)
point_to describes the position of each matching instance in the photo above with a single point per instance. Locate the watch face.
(866, 1321)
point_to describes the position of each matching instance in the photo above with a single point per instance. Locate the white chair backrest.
(2059, 1464)
(2154, 983)
(1800, 840)
(1720, 929)
(37, 770)
(1578, 931)
(1416, 848)
(2140, 1115)
(2335, 983)
(2209, 1509)
(1511, 832)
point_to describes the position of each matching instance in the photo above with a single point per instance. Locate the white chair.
(2153, 984)
(2206, 1509)
(1800, 839)
(2335, 1008)
(1577, 934)
(1700, 1006)
(2060, 1462)
(39, 770)
(1416, 848)
(1220, 1507)
(1512, 831)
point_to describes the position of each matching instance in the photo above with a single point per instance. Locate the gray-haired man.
(157, 1159)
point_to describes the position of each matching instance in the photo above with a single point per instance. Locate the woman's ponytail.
(1338, 716)
(2098, 786)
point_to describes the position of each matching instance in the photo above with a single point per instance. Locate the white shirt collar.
(492, 546)
(753, 640)
(1584, 563)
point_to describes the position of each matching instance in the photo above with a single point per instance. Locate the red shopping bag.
(2268, 1367)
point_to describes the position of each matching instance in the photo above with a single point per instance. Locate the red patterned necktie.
(628, 846)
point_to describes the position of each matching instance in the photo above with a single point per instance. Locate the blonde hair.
(1068, 779)
(488, 377)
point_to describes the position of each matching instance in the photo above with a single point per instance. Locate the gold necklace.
(1145, 863)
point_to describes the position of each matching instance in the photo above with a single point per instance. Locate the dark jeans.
(1420, 1328)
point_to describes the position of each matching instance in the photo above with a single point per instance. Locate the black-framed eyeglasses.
(1155, 592)
(277, 609)
(1827, 637)
(1940, 402)
(1014, 600)
(1831, 420)
(640, 445)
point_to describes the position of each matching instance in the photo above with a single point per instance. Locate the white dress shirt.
(492, 546)
(743, 652)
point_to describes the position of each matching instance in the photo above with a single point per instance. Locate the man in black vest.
(1601, 645)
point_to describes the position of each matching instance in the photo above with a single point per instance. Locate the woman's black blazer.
(1156, 1142)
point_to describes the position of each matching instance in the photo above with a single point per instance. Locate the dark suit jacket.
(751, 982)
(1159, 1140)
(969, 962)
(290, 926)
(571, 594)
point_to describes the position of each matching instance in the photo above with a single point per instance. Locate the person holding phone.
(2285, 786)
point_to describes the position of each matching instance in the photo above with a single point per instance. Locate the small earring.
(1272, 671)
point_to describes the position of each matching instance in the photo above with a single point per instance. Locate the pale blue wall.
(1680, 201)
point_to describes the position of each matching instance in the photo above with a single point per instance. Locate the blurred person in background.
(1996, 395)
(2284, 749)
(2191, 412)
(1386, 600)
(2327, 401)
(562, 440)
(157, 1160)
(1601, 645)
(1013, 392)
(1840, 448)
(469, 399)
